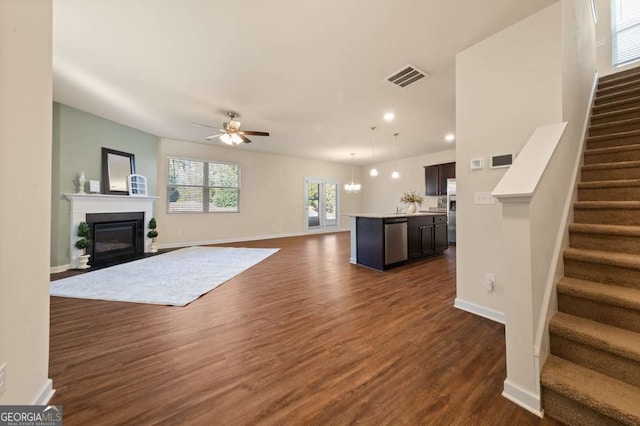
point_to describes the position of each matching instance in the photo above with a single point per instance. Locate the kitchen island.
(382, 241)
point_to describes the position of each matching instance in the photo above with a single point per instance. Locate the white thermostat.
(502, 160)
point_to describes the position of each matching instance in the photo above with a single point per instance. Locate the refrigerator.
(451, 210)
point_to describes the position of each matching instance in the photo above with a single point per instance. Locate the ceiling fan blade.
(253, 133)
(214, 136)
(244, 138)
(203, 125)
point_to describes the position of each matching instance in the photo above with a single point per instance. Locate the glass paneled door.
(321, 203)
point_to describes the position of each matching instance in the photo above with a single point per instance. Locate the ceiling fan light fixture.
(236, 139)
(234, 124)
(226, 139)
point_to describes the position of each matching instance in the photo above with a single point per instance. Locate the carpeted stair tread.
(616, 105)
(604, 116)
(617, 135)
(617, 400)
(625, 93)
(624, 122)
(621, 148)
(621, 183)
(608, 166)
(624, 297)
(625, 260)
(616, 340)
(619, 86)
(595, 228)
(616, 78)
(621, 205)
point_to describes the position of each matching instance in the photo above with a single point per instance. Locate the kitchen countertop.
(395, 215)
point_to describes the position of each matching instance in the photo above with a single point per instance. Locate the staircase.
(592, 376)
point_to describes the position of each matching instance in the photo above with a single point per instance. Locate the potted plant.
(153, 234)
(412, 198)
(84, 232)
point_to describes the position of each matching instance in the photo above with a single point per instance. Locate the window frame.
(205, 185)
(615, 32)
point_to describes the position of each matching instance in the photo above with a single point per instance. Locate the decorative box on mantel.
(83, 204)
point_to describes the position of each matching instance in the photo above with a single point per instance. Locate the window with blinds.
(196, 186)
(625, 31)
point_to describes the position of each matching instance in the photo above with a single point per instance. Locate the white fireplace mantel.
(81, 204)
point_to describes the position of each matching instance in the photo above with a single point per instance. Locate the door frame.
(323, 225)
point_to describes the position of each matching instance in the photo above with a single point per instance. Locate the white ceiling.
(310, 72)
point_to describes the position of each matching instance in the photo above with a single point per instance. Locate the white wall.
(506, 86)
(603, 38)
(381, 194)
(25, 185)
(271, 195)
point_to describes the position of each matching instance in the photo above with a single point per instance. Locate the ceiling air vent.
(406, 76)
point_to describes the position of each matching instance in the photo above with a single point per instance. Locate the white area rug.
(175, 278)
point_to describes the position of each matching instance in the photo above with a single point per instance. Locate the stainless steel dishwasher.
(395, 240)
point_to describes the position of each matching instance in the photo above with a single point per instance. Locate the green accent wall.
(78, 138)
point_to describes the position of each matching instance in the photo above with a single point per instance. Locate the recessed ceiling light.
(450, 137)
(389, 116)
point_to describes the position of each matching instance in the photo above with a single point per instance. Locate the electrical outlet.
(489, 281)
(3, 380)
(483, 198)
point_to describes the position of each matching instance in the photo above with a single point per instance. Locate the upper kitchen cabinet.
(435, 178)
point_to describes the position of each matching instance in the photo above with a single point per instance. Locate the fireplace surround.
(84, 205)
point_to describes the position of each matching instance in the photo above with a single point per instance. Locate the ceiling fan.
(230, 132)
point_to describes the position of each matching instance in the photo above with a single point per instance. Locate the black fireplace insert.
(117, 237)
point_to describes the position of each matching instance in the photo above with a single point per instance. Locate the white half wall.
(25, 184)
(506, 86)
(381, 194)
(271, 195)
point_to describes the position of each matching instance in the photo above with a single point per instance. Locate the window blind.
(196, 186)
(625, 31)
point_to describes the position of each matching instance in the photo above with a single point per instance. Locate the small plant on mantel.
(153, 234)
(84, 232)
(412, 198)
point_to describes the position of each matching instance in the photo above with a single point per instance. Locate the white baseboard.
(479, 310)
(45, 394)
(523, 398)
(243, 239)
(58, 269)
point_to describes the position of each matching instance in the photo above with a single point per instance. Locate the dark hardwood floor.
(303, 337)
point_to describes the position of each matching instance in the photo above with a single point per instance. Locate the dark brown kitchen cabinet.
(435, 178)
(420, 236)
(440, 234)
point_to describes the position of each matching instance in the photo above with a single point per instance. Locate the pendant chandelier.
(374, 171)
(395, 174)
(352, 187)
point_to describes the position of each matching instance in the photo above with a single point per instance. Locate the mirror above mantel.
(116, 167)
